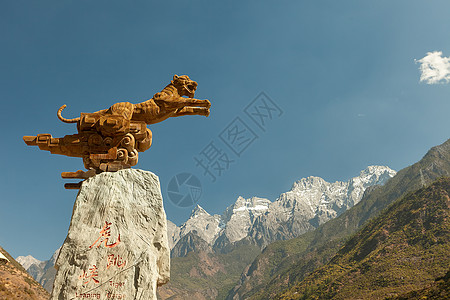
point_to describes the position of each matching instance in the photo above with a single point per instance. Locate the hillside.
(403, 249)
(206, 274)
(16, 283)
(437, 290)
(285, 263)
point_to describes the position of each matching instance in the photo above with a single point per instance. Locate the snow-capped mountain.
(310, 202)
(239, 217)
(206, 225)
(27, 261)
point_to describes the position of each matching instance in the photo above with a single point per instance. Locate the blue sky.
(343, 73)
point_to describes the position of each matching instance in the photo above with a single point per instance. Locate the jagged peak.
(55, 255)
(307, 182)
(253, 203)
(27, 261)
(439, 149)
(198, 211)
(375, 169)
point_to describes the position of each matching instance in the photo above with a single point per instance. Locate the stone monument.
(117, 246)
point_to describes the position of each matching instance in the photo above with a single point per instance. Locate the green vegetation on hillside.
(438, 290)
(202, 275)
(403, 249)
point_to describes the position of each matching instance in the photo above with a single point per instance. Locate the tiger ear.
(175, 77)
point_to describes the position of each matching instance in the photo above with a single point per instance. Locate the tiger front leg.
(196, 102)
(190, 111)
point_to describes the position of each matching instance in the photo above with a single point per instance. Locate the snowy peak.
(313, 201)
(27, 261)
(239, 217)
(205, 225)
(308, 183)
(198, 211)
(310, 202)
(379, 170)
(254, 204)
(373, 175)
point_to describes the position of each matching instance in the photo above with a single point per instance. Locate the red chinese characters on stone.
(114, 260)
(92, 274)
(105, 234)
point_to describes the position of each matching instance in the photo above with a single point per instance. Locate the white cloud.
(435, 68)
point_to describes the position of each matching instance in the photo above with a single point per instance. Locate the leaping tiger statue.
(110, 139)
(165, 104)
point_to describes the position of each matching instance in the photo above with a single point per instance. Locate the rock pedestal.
(117, 245)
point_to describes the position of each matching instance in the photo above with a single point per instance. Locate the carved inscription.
(114, 260)
(88, 295)
(102, 273)
(105, 233)
(92, 274)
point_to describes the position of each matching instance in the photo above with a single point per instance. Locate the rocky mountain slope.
(437, 290)
(285, 263)
(42, 271)
(16, 283)
(202, 275)
(403, 249)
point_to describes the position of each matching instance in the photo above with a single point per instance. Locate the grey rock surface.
(206, 225)
(117, 245)
(240, 217)
(173, 233)
(191, 242)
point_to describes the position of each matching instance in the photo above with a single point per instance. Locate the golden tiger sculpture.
(110, 139)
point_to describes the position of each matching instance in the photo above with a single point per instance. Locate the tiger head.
(184, 85)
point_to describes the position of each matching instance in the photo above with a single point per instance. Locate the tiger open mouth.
(190, 88)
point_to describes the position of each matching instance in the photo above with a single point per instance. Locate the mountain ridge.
(283, 263)
(310, 202)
